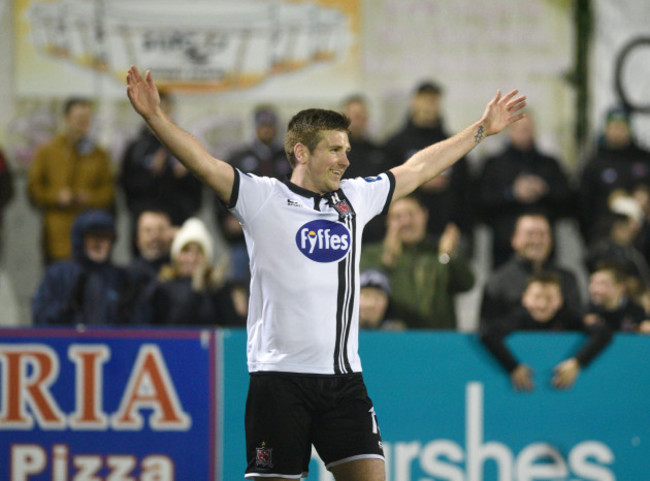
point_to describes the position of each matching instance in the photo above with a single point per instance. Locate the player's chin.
(334, 184)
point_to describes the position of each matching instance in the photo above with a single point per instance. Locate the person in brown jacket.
(69, 174)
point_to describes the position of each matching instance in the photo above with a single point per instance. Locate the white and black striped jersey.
(304, 251)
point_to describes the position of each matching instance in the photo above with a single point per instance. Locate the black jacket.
(504, 287)
(494, 331)
(179, 197)
(609, 170)
(455, 203)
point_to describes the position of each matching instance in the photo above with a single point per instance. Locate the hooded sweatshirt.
(80, 291)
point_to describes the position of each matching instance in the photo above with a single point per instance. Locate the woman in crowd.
(190, 292)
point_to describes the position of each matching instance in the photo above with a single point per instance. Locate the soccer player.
(303, 236)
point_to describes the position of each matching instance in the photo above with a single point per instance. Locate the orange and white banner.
(74, 45)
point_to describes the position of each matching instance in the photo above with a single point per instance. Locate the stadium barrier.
(157, 405)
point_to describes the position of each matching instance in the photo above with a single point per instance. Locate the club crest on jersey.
(264, 457)
(342, 208)
(323, 240)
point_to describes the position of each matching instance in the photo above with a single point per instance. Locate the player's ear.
(301, 153)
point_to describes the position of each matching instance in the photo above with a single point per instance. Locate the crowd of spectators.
(415, 260)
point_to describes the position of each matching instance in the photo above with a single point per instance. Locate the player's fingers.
(134, 73)
(149, 79)
(506, 98)
(560, 381)
(514, 118)
(517, 104)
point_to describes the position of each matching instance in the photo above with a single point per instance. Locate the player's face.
(542, 300)
(327, 163)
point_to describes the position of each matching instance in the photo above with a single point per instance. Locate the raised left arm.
(424, 165)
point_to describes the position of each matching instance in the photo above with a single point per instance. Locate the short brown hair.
(545, 277)
(306, 126)
(74, 101)
(614, 268)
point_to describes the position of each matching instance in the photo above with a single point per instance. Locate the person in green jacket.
(425, 273)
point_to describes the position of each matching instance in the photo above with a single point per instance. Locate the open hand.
(566, 373)
(502, 111)
(522, 378)
(142, 92)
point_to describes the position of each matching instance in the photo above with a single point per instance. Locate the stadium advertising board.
(448, 412)
(136, 405)
(143, 405)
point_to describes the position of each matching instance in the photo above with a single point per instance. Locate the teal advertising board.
(447, 411)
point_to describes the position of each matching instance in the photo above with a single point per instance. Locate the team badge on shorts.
(264, 458)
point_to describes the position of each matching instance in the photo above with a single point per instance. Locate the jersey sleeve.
(249, 193)
(373, 195)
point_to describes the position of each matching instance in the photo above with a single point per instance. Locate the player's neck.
(304, 181)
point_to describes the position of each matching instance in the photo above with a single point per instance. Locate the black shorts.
(287, 413)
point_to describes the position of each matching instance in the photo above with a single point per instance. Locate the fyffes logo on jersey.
(323, 240)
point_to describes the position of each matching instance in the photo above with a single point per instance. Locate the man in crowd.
(150, 175)
(518, 180)
(68, 175)
(532, 243)
(448, 196)
(426, 272)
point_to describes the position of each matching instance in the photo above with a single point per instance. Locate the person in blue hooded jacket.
(88, 289)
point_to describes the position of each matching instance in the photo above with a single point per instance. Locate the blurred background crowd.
(547, 228)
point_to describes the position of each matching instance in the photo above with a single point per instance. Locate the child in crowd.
(610, 303)
(374, 301)
(542, 309)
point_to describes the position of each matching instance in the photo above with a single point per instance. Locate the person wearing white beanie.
(190, 291)
(193, 230)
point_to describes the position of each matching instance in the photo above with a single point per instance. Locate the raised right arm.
(143, 94)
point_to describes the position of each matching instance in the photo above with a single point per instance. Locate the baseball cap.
(617, 114)
(375, 278)
(265, 116)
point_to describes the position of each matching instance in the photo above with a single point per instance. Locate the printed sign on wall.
(204, 44)
(128, 405)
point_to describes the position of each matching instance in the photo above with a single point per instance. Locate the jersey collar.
(308, 193)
